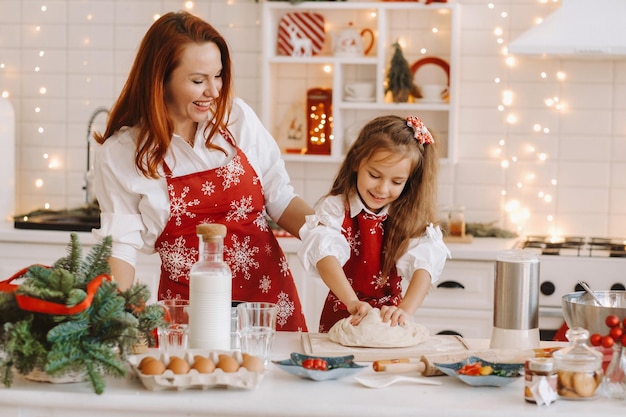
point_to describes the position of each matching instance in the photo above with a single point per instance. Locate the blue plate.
(503, 373)
(338, 367)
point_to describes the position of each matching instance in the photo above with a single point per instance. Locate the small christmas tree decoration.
(72, 319)
(400, 78)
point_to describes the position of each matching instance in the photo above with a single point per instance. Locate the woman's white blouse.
(321, 236)
(135, 209)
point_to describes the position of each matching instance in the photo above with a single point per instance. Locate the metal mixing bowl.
(580, 310)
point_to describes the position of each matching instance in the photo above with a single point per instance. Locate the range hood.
(579, 28)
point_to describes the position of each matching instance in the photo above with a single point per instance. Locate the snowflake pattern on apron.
(258, 264)
(365, 235)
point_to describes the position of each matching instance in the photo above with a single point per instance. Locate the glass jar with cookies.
(579, 368)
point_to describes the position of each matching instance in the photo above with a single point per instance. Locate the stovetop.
(595, 247)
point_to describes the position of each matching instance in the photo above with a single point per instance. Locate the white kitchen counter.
(471, 265)
(479, 249)
(282, 394)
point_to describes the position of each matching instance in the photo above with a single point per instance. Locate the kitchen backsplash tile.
(9, 33)
(586, 121)
(481, 69)
(584, 174)
(90, 37)
(591, 225)
(50, 36)
(478, 172)
(31, 12)
(139, 12)
(480, 94)
(485, 120)
(41, 110)
(89, 62)
(55, 85)
(599, 71)
(529, 174)
(89, 48)
(96, 12)
(579, 200)
(589, 95)
(55, 135)
(97, 86)
(618, 178)
(585, 148)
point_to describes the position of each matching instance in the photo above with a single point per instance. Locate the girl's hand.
(358, 311)
(393, 313)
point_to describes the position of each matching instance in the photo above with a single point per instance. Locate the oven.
(601, 262)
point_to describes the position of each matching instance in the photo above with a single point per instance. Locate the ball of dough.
(372, 332)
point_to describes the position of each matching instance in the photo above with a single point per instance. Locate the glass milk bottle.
(210, 292)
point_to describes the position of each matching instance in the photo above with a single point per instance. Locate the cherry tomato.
(320, 364)
(315, 363)
(607, 341)
(308, 363)
(471, 369)
(616, 333)
(624, 322)
(595, 339)
(612, 320)
(623, 340)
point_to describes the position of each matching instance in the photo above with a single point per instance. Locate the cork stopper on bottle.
(209, 230)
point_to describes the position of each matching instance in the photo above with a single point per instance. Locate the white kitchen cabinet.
(466, 308)
(428, 34)
(461, 301)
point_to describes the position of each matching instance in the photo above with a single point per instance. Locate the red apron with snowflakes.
(231, 195)
(365, 234)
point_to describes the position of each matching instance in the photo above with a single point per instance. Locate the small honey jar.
(456, 222)
(540, 380)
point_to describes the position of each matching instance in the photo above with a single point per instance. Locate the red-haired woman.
(180, 150)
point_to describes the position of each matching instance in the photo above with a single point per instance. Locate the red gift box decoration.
(301, 34)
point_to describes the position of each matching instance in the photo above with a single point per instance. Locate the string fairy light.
(513, 205)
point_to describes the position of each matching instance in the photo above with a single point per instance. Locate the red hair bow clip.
(422, 135)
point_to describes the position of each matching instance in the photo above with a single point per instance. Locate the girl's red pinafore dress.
(365, 234)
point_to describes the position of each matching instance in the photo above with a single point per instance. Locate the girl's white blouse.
(135, 209)
(321, 236)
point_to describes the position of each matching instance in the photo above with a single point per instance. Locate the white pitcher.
(349, 42)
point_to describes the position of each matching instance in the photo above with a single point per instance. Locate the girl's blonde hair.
(415, 208)
(142, 100)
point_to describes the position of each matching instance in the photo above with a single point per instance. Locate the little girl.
(374, 226)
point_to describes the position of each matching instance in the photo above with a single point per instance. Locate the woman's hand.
(358, 311)
(393, 313)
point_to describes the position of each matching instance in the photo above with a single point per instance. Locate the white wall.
(88, 47)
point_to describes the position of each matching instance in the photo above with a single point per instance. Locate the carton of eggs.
(194, 369)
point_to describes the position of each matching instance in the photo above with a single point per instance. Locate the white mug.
(433, 91)
(359, 91)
